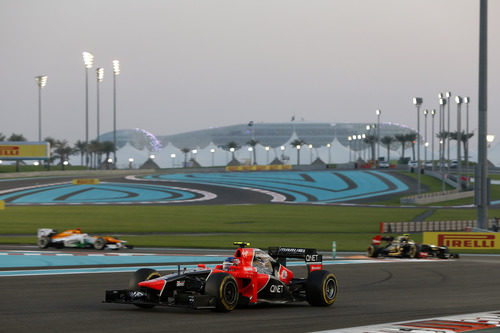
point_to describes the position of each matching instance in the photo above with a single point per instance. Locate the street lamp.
(116, 71)
(250, 150)
(130, 162)
(349, 139)
(42, 82)
(282, 148)
(426, 144)
(172, 156)
(100, 77)
(311, 151)
(298, 154)
(417, 101)
(212, 151)
(490, 138)
(267, 154)
(88, 61)
(433, 113)
(459, 101)
(378, 112)
(329, 145)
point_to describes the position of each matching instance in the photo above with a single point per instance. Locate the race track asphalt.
(368, 294)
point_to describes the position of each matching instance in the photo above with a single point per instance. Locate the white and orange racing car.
(76, 238)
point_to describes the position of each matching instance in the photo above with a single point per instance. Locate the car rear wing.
(314, 261)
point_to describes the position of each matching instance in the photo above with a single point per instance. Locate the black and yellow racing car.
(404, 247)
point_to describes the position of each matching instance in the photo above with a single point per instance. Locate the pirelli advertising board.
(24, 150)
(464, 240)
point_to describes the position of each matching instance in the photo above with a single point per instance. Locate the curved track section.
(103, 193)
(312, 186)
(368, 294)
(320, 187)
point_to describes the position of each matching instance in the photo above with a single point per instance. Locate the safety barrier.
(426, 198)
(259, 167)
(421, 226)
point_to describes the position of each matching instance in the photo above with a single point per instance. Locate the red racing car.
(251, 276)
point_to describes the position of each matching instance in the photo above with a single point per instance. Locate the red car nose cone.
(156, 284)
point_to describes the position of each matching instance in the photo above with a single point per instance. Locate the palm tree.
(80, 146)
(2, 137)
(232, 147)
(52, 143)
(94, 149)
(252, 143)
(412, 137)
(387, 141)
(185, 151)
(17, 137)
(62, 151)
(403, 140)
(371, 140)
(107, 147)
(464, 138)
(297, 143)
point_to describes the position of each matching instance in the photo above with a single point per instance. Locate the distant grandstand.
(267, 134)
(323, 143)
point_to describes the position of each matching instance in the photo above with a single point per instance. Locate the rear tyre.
(224, 288)
(140, 275)
(321, 288)
(43, 242)
(373, 251)
(100, 243)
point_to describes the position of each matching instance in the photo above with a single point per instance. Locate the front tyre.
(412, 251)
(224, 288)
(143, 274)
(43, 242)
(321, 288)
(100, 243)
(373, 251)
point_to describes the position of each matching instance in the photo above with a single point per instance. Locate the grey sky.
(190, 65)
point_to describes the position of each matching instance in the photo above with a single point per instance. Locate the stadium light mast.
(459, 101)
(100, 77)
(41, 82)
(116, 71)
(88, 61)
(433, 113)
(417, 101)
(466, 152)
(378, 112)
(482, 169)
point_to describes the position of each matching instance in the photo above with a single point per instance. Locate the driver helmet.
(405, 237)
(228, 262)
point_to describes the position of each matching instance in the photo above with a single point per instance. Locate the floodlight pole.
(378, 112)
(41, 82)
(482, 169)
(88, 60)
(418, 102)
(116, 71)
(433, 113)
(459, 101)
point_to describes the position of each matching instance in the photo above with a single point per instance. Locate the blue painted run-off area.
(313, 186)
